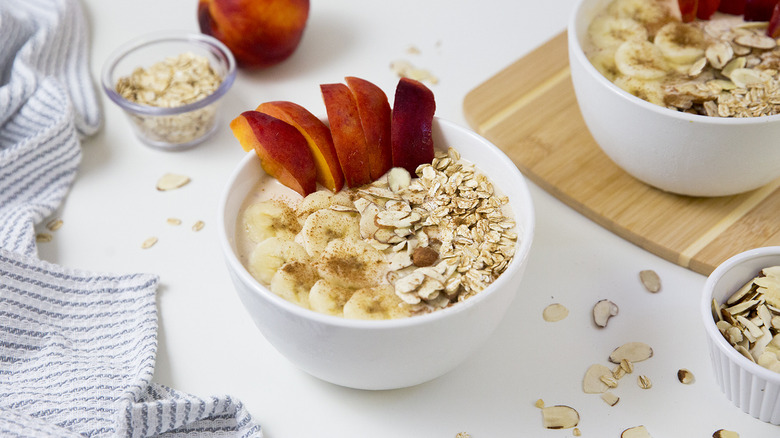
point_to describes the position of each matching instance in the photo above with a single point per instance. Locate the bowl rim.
(519, 259)
(153, 38)
(709, 322)
(576, 51)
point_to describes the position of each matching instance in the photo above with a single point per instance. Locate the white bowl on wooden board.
(384, 354)
(674, 151)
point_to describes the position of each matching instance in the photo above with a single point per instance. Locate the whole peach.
(260, 33)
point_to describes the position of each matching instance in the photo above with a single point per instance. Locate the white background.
(208, 344)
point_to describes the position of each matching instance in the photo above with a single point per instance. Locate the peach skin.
(283, 151)
(317, 135)
(260, 33)
(412, 122)
(374, 111)
(348, 136)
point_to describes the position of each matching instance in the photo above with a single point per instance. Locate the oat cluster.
(453, 210)
(737, 77)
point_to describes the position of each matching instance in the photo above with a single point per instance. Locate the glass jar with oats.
(170, 86)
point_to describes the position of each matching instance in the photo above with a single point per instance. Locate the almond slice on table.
(560, 417)
(171, 181)
(602, 311)
(632, 352)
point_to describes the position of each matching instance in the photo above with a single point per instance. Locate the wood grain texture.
(529, 111)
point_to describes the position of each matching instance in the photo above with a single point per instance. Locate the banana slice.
(323, 226)
(326, 297)
(271, 218)
(323, 199)
(352, 263)
(607, 32)
(378, 302)
(652, 14)
(293, 281)
(649, 90)
(641, 60)
(604, 61)
(312, 202)
(681, 43)
(270, 254)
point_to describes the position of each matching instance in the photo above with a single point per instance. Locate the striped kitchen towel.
(77, 349)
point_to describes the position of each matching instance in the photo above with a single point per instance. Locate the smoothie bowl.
(406, 347)
(664, 106)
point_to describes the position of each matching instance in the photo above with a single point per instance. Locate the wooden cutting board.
(529, 111)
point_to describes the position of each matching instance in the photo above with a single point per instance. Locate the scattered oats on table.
(148, 243)
(54, 224)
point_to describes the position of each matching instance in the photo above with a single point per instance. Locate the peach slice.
(347, 131)
(412, 122)
(374, 110)
(317, 135)
(283, 151)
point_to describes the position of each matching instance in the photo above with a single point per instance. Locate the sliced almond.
(742, 77)
(343, 208)
(636, 432)
(592, 383)
(685, 376)
(740, 293)
(171, 181)
(734, 64)
(610, 398)
(555, 312)
(755, 40)
(719, 53)
(650, 280)
(697, 67)
(723, 433)
(560, 417)
(602, 311)
(368, 226)
(632, 351)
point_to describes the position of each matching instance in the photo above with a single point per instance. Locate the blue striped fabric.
(77, 349)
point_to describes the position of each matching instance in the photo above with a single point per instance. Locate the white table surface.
(209, 346)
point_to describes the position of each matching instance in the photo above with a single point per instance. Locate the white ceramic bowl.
(751, 387)
(673, 151)
(392, 353)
